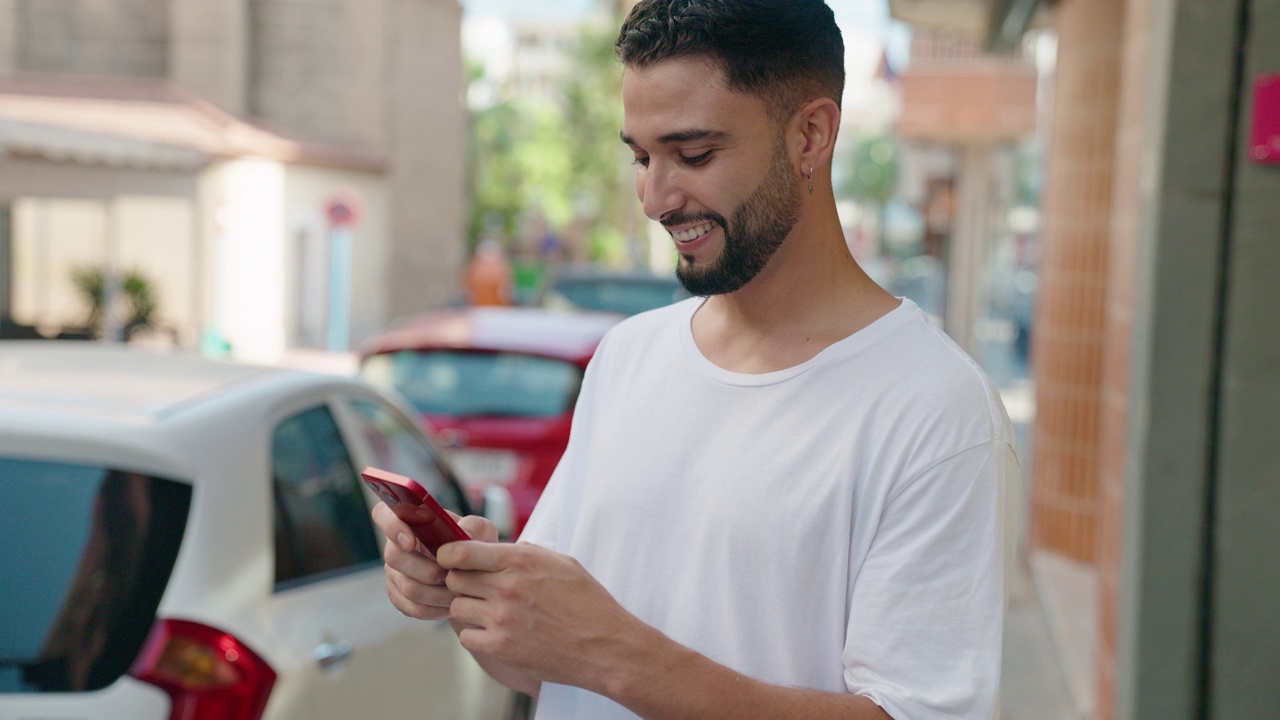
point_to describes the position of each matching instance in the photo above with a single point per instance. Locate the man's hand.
(537, 611)
(415, 581)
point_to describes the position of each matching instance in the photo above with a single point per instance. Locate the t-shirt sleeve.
(926, 617)
(553, 518)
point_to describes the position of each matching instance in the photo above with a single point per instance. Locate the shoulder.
(659, 319)
(649, 328)
(931, 385)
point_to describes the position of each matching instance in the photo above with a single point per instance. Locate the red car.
(497, 386)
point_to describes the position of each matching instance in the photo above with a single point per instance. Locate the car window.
(87, 554)
(322, 522)
(472, 384)
(626, 296)
(396, 446)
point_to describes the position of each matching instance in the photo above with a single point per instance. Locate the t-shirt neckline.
(846, 347)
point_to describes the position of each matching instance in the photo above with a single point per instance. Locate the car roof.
(596, 272)
(95, 379)
(571, 337)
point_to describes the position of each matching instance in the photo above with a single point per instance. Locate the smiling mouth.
(692, 233)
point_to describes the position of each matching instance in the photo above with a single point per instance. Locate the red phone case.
(414, 505)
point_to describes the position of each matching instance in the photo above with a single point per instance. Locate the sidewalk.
(1035, 683)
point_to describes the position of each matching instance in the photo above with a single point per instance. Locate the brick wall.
(1070, 317)
(123, 37)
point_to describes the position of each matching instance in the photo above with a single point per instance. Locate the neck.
(812, 276)
(811, 294)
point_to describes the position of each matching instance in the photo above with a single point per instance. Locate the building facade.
(1154, 461)
(211, 144)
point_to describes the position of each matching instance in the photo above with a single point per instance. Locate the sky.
(865, 24)
(869, 15)
(527, 9)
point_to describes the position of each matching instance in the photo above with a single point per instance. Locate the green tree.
(559, 156)
(494, 178)
(599, 176)
(872, 177)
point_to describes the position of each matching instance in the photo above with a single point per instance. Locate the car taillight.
(209, 674)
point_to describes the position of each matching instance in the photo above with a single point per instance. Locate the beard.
(760, 224)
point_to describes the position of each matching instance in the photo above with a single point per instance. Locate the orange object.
(488, 277)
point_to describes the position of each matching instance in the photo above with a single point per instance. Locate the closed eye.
(696, 160)
(642, 161)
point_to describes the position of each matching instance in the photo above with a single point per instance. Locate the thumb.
(479, 528)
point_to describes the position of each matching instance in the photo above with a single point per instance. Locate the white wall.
(243, 219)
(268, 255)
(307, 191)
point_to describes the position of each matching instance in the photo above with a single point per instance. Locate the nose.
(659, 194)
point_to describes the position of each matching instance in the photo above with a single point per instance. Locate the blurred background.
(1080, 192)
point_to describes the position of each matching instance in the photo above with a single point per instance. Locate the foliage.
(873, 177)
(593, 118)
(555, 156)
(495, 176)
(136, 292)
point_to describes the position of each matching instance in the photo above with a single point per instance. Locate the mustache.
(688, 218)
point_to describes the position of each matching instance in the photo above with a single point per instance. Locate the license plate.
(484, 467)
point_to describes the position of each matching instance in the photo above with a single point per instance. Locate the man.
(792, 499)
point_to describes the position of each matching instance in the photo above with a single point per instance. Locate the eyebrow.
(681, 136)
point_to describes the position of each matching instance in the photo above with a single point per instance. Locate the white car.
(188, 539)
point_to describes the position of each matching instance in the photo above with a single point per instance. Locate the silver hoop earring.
(810, 179)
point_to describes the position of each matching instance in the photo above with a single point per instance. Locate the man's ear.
(816, 125)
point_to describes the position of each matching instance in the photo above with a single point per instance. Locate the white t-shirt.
(845, 525)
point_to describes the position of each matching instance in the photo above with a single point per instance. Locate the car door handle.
(330, 655)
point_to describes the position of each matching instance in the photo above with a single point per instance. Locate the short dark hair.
(785, 52)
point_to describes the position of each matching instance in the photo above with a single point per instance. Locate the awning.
(59, 144)
(999, 23)
(147, 123)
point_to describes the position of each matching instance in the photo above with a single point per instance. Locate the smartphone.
(414, 505)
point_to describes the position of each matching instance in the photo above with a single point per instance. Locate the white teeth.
(692, 233)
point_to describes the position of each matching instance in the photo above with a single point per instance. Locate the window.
(624, 296)
(322, 522)
(397, 447)
(471, 384)
(87, 555)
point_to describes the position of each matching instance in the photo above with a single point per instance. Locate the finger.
(437, 596)
(468, 613)
(422, 568)
(479, 528)
(410, 608)
(472, 583)
(394, 528)
(485, 556)
(413, 588)
(483, 641)
(409, 588)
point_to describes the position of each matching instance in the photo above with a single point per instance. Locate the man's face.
(712, 168)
